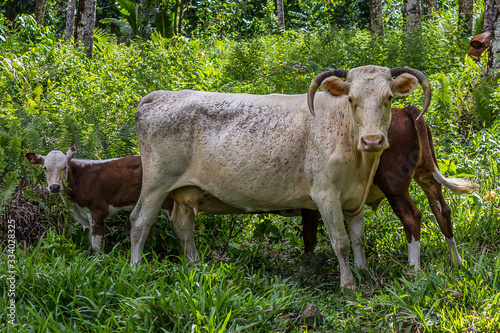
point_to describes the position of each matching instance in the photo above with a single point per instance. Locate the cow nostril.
(55, 188)
(372, 142)
(373, 139)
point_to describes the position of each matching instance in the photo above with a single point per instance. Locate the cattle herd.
(322, 154)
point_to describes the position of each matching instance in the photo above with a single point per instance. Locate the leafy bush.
(218, 19)
(487, 109)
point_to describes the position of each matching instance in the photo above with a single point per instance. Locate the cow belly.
(84, 215)
(113, 210)
(234, 194)
(236, 169)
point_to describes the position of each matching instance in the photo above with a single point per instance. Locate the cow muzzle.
(373, 143)
(55, 188)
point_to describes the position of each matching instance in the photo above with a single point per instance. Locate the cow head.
(478, 44)
(369, 91)
(55, 165)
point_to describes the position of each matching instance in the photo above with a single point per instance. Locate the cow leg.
(310, 221)
(91, 223)
(183, 224)
(411, 217)
(82, 216)
(97, 230)
(441, 211)
(357, 233)
(143, 217)
(331, 213)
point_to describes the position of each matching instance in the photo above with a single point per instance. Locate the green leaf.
(223, 328)
(165, 23)
(7, 188)
(235, 245)
(443, 90)
(477, 201)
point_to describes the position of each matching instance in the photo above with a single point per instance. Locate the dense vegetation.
(249, 279)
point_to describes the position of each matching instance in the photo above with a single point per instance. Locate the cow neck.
(366, 161)
(73, 178)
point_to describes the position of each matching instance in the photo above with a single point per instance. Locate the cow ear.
(404, 84)
(71, 152)
(477, 44)
(335, 86)
(34, 158)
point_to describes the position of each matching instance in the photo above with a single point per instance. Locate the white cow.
(263, 153)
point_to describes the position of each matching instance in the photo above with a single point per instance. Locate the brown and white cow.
(98, 188)
(410, 156)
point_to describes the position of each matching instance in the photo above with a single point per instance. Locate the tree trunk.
(376, 17)
(412, 15)
(494, 50)
(70, 20)
(488, 15)
(281, 13)
(430, 8)
(40, 7)
(176, 9)
(465, 16)
(181, 11)
(85, 22)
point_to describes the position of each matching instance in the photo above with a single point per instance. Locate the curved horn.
(316, 82)
(424, 83)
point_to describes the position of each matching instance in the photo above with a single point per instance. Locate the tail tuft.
(456, 185)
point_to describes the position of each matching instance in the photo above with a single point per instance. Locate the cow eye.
(45, 168)
(390, 98)
(350, 100)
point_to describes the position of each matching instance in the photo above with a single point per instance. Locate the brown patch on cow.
(114, 183)
(478, 44)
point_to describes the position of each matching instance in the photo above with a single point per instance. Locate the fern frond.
(7, 188)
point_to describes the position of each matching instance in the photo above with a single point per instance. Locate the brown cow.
(478, 44)
(410, 156)
(98, 189)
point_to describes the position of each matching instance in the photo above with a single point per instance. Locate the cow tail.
(456, 185)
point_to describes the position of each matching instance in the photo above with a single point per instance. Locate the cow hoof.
(350, 286)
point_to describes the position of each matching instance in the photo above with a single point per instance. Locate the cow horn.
(424, 83)
(316, 82)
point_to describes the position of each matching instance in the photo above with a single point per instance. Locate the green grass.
(251, 285)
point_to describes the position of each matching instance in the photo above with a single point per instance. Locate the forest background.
(79, 79)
